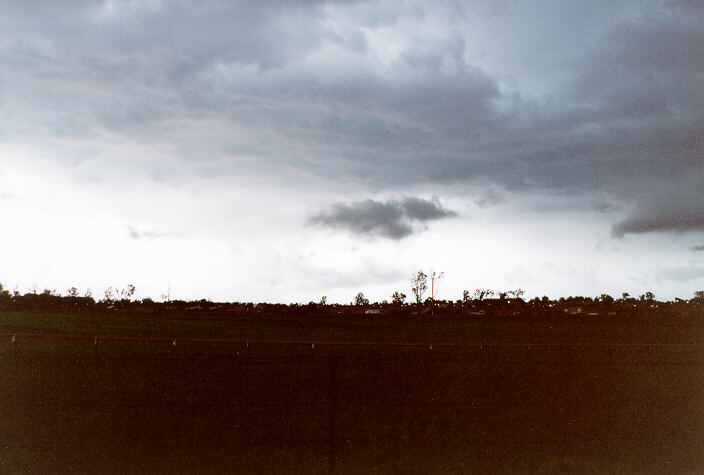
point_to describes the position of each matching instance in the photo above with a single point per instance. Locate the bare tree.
(435, 278)
(419, 284)
(126, 294)
(167, 296)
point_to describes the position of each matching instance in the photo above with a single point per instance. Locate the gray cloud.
(669, 210)
(551, 96)
(667, 221)
(392, 219)
(489, 198)
(670, 221)
(698, 248)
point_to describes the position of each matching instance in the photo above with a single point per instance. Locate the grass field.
(578, 395)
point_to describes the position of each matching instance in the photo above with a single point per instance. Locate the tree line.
(423, 288)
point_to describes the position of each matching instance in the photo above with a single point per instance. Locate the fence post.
(332, 412)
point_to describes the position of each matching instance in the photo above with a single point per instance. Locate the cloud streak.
(134, 233)
(637, 224)
(394, 219)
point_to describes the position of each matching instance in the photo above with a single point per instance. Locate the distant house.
(372, 311)
(573, 310)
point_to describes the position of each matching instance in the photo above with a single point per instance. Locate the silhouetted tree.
(4, 295)
(480, 294)
(516, 293)
(109, 294)
(361, 300)
(126, 294)
(419, 284)
(398, 298)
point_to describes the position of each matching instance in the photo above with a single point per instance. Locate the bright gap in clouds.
(213, 239)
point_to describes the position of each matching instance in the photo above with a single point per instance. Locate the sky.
(281, 151)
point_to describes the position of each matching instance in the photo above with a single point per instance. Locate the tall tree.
(419, 284)
(435, 278)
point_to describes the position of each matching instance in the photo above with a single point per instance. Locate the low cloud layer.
(663, 222)
(392, 219)
(670, 211)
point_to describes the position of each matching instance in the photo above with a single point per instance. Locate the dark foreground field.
(562, 396)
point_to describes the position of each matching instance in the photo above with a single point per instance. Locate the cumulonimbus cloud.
(393, 219)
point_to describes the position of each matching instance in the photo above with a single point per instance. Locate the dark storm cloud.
(643, 95)
(666, 209)
(603, 101)
(392, 219)
(666, 221)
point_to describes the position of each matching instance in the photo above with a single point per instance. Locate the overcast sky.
(285, 150)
